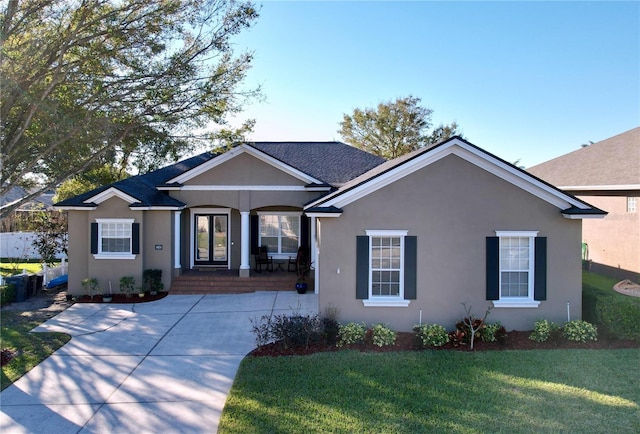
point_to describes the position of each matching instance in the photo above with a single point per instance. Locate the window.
(386, 268)
(516, 260)
(115, 239)
(280, 233)
(632, 204)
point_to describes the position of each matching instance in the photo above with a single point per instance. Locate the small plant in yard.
(382, 336)
(493, 332)
(351, 333)
(291, 331)
(580, 331)
(457, 337)
(330, 325)
(90, 285)
(128, 285)
(543, 330)
(432, 335)
(472, 325)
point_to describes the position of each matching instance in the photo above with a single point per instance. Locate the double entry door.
(211, 239)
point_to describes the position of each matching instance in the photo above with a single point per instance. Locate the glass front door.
(211, 241)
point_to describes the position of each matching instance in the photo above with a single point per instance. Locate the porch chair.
(262, 258)
(300, 261)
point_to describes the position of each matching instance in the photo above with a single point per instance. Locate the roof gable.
(393, 170)
(611, 164)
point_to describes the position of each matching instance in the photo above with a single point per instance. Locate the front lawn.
(437, 391)
(25, 349)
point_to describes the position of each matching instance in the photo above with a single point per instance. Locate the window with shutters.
(115, 239)
(386, 268)
(516, 250)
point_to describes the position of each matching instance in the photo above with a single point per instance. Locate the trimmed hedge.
(616, 314)
(7, 294)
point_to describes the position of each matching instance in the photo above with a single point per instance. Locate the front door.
(211, 240)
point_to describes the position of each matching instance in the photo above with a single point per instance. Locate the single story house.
(394, 241)
(607, 175)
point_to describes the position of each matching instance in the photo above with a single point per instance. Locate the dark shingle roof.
(613, 161)
(334, 163)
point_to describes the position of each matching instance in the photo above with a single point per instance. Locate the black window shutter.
(304, 231)
(253, 231)
(410, 267)
(493, 268)
(540, 272)
(94, 238)
(135, 238)
(362, 267)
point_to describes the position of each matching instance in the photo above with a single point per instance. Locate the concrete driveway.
(159, 367)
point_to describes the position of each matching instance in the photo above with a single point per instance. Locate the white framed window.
(115, 239)
(280, 232)
(516, 269)
(632, 204)
(386, 268)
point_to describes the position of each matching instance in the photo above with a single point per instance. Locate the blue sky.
(524, 80)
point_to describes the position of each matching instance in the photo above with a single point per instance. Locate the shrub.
(351, 333)
(127, 285)
(382, 336)
(543, 330)
(432, 335)
(492, 332)
(330, 325)
(152, 280)
(90, 285)
(290, 331)
(580, 331)
(7, 294)
(615, 314)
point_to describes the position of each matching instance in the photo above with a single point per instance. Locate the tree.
(89, 180)
(126, 82)
(51, 236)
(394, 128)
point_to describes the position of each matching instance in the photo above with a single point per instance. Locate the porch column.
(176, 239)
(244, 244)
(314, 255)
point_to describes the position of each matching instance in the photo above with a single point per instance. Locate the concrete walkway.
(159, 367)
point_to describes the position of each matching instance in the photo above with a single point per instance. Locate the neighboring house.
(606, 174)
(392, 242)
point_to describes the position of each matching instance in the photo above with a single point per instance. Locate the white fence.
(20, 245)
(51, 273)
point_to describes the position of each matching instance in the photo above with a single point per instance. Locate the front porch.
(227, 281)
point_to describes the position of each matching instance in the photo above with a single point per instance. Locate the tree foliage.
(125, 82)
(89, 180)
(393, 128)
(51, 236)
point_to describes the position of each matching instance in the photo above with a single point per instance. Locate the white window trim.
(519, 302)
(387, 301)
(113, 255)
(280, 213)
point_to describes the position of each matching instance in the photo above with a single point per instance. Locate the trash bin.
(19, 283)
(32, 285)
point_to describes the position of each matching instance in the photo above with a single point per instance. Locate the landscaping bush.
(351, 333)
(291, 331)
(616, 314)
(432, 335)
(382, 336)
(492, 332)
(7, 294)
(543, 330)
(330, 325)
(580, 331)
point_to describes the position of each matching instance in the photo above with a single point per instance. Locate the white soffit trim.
(243, 187)
(156, 208)
(601, 187)
(469, 153)
(75, 208)
(108, 194)
(239, 150)
(323, 214)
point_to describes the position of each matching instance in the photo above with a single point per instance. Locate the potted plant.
(303, 272)
(127, 285)
(90, 285)
(140, 292)
(152, 281)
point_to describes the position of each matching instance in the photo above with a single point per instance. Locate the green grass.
(30, 348)
(11, 268)
(437, 391)
(598, 280)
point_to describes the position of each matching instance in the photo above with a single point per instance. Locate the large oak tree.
(393, 128)
(128, 83)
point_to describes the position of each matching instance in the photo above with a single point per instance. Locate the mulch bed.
(515, 340)
(122, 298)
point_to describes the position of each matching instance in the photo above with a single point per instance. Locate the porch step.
(204, 283)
